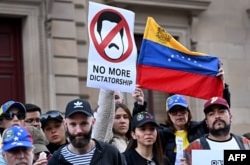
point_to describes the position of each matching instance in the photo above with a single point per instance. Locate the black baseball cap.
(142, 118)
(78, 105)
(51, 115)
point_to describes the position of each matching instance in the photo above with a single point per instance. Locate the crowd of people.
(114, 134)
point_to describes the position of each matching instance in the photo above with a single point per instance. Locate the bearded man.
(218, 119)
(82, 149)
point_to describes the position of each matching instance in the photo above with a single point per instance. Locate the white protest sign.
(179, 150)
(112, 50)
(207, 157)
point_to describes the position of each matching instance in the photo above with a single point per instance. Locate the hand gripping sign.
(112, 51)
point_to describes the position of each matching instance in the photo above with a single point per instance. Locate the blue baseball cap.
(10, 104)
(15, 137)
(175, 100)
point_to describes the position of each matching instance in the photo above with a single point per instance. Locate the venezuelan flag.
(166, 65)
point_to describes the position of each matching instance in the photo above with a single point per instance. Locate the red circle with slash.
(104, 43)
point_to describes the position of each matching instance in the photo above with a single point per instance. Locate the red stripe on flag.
(179, 82)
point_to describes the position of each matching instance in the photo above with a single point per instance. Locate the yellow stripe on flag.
(158, 34)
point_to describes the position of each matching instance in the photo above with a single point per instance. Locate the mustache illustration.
(113, 45)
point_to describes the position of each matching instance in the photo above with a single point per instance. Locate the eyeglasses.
(11, 115)
(51, 115)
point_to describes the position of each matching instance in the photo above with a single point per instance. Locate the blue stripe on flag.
(158, 55)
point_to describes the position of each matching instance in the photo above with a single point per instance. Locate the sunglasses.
(51, 115)
(11, 115)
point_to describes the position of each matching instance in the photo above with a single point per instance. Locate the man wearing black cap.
(218, 120)
(82, 149)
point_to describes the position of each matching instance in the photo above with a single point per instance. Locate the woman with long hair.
(121, 127)
(145, 145)
(113, 120)
(179, 130)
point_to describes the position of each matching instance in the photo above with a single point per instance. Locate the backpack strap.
(204, 142)
(239, 141)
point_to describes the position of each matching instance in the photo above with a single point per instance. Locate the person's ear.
(93, 121)
(65, 123)
(230, 117)
(133, 135)
(4, 156)
(206, 121)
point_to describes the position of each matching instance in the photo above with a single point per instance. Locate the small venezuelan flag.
(166, 65)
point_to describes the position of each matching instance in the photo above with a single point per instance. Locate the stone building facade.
(55, 47)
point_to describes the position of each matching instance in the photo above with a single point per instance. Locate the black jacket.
(53, 147)
(195, 130)
(105, 154)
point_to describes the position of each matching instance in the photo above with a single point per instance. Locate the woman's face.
(179, 118)
(145, 135)
(121, 122)
(16, 117)
(55, 132)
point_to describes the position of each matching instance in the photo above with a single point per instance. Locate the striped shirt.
(77, 159)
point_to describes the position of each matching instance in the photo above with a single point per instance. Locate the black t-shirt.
(133, 158)
(53, 147)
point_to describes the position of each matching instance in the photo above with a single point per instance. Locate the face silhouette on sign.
(111, 36)
(106, 22)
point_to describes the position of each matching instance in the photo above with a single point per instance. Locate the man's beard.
(80, 140)
(220, 131)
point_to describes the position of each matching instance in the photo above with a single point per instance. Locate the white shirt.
(230, 144)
